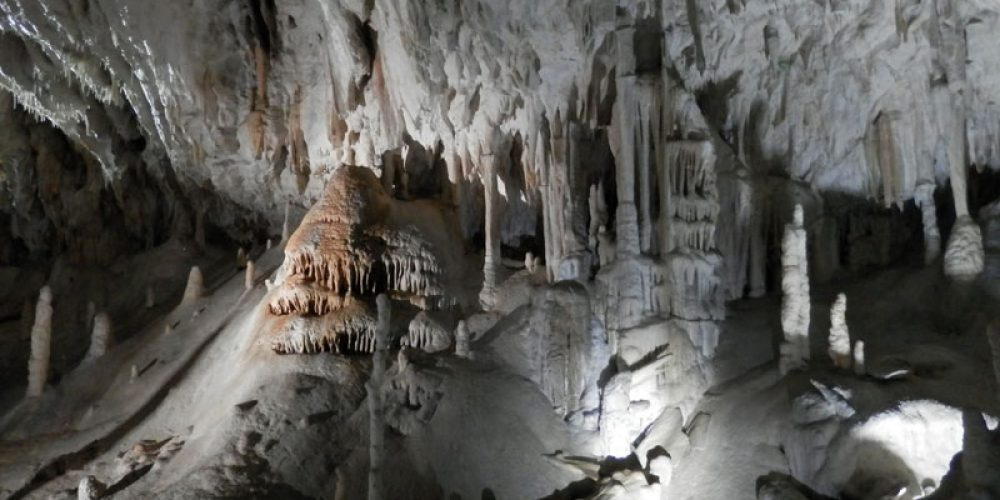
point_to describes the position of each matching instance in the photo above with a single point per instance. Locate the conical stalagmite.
(195, 287)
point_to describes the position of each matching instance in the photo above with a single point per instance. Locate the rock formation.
(839, 339)
(41, 344)
(795, 295)
(101, 337)
(195, 288)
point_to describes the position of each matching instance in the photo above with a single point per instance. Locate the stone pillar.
(795, 300)
(491, 261)
(627, 110)
(41, 344)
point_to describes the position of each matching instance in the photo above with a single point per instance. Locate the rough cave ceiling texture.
(256, 101)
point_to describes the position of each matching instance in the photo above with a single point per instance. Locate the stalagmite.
(924, 197)
(529, 262)
(285, 227)
(267, 246)
(376, 418)
(248, 276)
(90, 489)
(859, 357)
(462, 348)
(134, 373)
(795, 299)
(150, 297)
(241, 258)
(840, 340)
(41, 339)
(195, 287)
(101, 337)
(168, 329)
(964, 257)
(491, 262)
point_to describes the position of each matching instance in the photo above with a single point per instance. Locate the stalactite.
(195, 287)
(887, 155)
(101, 338)
(839, 339)
(41, 343)
(795, 299)
(376, 446)
(924, 197)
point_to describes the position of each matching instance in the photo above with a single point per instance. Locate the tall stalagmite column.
(795, 301)
(627, 109)
(41, 343)
(376, 417)
(964, 256)
(491, 261)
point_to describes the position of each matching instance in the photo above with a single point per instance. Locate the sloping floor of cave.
(218, 418)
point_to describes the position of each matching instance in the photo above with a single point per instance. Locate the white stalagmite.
(795, 299)
(529, 262)
(100, 338)
(859, 357)
(462, 348)
(89, 489)
(41, 343)
(268, 245)
(248, 278)
(924, 197)
(840, 340)
(376, 443)
(195, 287)
(964, 257)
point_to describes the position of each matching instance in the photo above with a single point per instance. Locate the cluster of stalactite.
(352, 245)
(348, 329)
